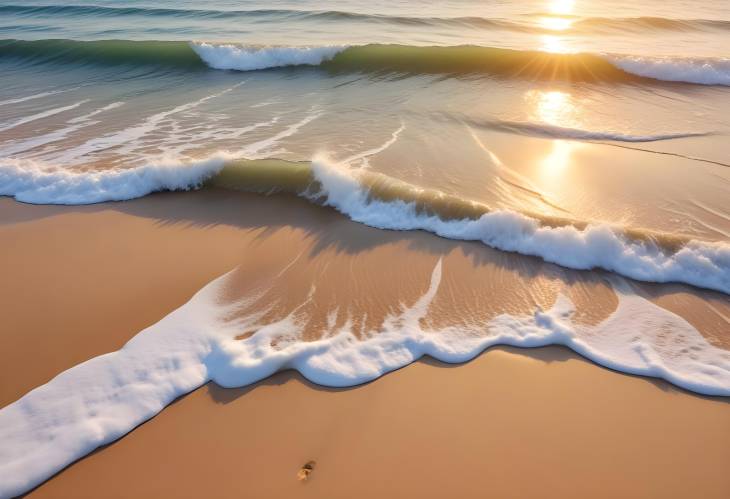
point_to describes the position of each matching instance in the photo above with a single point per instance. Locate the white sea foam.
(252, 58)
(41, 115)
(34, 182)
(702, 71)
(38, 141)
(40, 95)
(102, 399)
(260, 147)
(702, 264)
(364, 156)
(86, 117)
(131, 134)
(42, 182)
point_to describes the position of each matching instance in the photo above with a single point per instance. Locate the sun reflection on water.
(557, 109)
(555, 23)
(558, 20)
(561, 6)
(553, 107)
(558, 160)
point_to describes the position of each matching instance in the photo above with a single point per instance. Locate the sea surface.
(592, 135)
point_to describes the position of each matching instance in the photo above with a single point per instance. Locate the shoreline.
(162, 258)
(446, 427)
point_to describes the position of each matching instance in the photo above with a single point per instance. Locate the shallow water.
(472, 100)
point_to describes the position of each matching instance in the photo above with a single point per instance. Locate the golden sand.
(81, 281)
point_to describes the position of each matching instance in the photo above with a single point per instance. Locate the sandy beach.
(81, 281)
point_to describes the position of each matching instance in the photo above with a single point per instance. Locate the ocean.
(589, 136)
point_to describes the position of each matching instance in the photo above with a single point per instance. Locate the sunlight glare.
(555, 23)
(558, 109)
(561, 6)
(553, 44)
(552, 107)
(558, 159)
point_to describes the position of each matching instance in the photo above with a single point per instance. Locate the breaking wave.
(465, 59)
(32, 182)
(381, 201)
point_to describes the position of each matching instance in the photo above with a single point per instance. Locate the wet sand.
(81, 281)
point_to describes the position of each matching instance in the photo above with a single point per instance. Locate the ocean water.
(588, 134)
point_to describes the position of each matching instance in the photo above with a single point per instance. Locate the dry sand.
(78, 282)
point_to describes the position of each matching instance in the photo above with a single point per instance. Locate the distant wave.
(559, 132)
(589, 25)
(578, 25)
(404, 59)
(384, 202)
(473, 59)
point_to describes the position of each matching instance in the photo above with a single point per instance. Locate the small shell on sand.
(306, 470)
